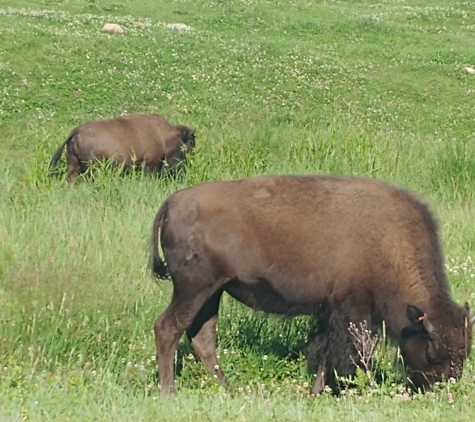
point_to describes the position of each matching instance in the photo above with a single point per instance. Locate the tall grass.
(375, 88)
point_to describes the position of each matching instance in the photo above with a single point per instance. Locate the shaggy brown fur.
(141, 139)
(342, 249)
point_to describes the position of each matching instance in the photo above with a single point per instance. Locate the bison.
(144, 139)
(342, 249)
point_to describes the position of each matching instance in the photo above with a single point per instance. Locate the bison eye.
(433, 360)
(432, 356)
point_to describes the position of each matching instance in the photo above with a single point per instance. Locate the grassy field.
(367, 87)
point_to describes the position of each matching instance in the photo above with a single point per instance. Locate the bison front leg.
(151, 167)
(174, 163)
(332, 353)
(317, 362)
(320, 379)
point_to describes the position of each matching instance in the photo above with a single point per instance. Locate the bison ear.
(414, 313)
(418, 321)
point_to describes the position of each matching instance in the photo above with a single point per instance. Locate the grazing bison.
(346, 250)
(142, 139)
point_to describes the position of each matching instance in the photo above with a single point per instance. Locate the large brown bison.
(344, 249)
(138, 139)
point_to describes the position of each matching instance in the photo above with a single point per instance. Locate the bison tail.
(53, 164)
(159, 268)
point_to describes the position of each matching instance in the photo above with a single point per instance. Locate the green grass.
(375, 88)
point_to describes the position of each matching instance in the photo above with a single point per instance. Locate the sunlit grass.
(374, 88)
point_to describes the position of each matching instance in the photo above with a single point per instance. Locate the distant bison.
(141, 139)
(346, 250)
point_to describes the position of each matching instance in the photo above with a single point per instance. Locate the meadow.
(361, 87)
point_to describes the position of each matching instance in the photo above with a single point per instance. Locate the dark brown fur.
(141, 139)
(339, 248)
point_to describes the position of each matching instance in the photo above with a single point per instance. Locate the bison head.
(436, 352)
(188, 138)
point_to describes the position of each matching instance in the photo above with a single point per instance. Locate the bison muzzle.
(146, 140)
(342, 249)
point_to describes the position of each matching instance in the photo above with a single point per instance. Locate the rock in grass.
(113, 27)
(470, 70)
(179, 26)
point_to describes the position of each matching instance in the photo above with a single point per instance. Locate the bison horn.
(427, 325)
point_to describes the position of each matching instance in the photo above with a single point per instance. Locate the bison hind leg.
(202, 334)
(74, 168)
(170, 326)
